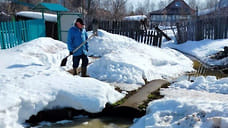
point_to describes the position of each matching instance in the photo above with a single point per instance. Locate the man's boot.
(84, 72)
(75, 71)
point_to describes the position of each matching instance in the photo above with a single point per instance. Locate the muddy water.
(203, 71)
(101, 122)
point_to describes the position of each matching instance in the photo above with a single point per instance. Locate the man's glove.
(71, 53)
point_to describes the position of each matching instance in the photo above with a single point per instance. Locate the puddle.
(101, 122)
(203, 71)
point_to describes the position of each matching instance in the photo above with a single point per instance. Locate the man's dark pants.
(76, 60)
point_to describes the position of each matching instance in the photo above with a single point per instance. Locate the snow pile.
(123, 60)
(203, 50)
(209, 84)
(189, 105)
(31, 80)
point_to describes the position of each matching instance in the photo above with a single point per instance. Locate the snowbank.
(124, 60)
(31, 80)
(203, 50)
(202, 104)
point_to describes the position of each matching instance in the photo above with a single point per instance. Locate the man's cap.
(80, 21)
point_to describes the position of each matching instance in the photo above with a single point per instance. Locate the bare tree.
(162, 4)
(140, 10)
(145, 8)
(130, 9)
(211, 3)
(149, 5)
(192, 4)
(118, 9)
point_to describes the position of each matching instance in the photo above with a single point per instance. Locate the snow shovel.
(64, 61)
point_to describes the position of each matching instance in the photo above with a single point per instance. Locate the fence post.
(179, 40)
(198, 29)
(2, 37)
(160, 39)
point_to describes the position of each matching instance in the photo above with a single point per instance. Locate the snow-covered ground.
(199, 104)
(202, 49)
(123, 60)
(32, 80)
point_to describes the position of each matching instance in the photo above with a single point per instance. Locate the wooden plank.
(145, 37)
(151, 37)
(6, 34)
(160, 39)
(142, 95)
(141, 36)
(11, 32)
(148, 37)
(2, 37)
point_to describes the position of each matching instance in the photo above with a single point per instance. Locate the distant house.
(177, 10)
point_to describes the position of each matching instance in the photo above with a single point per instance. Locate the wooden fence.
(16, 33)
(204, 28)
(134, 30)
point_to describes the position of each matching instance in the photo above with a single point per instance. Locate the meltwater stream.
(101, 122)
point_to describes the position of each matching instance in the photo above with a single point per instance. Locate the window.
(177, 4)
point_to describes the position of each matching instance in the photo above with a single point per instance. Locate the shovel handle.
(76, 49)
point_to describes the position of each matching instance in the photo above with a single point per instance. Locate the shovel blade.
(64, 61)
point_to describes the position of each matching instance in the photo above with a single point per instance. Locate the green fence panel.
(25, 32)
(6, 35)
(16, 33)
(1, 37)
(11, 33)
(35, 29)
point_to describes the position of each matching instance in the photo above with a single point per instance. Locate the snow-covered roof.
(135, 17)
(38, 15)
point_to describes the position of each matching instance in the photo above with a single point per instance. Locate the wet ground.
(201, 70)
(120, 122)
(101, 122)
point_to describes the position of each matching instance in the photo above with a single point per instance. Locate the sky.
(32, 80)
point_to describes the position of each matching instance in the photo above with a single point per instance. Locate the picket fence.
(17, 32)
(204, 28)
(133, 29)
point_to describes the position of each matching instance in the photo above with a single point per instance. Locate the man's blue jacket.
(75, 38)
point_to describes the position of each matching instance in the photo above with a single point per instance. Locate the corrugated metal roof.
(51, 7)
